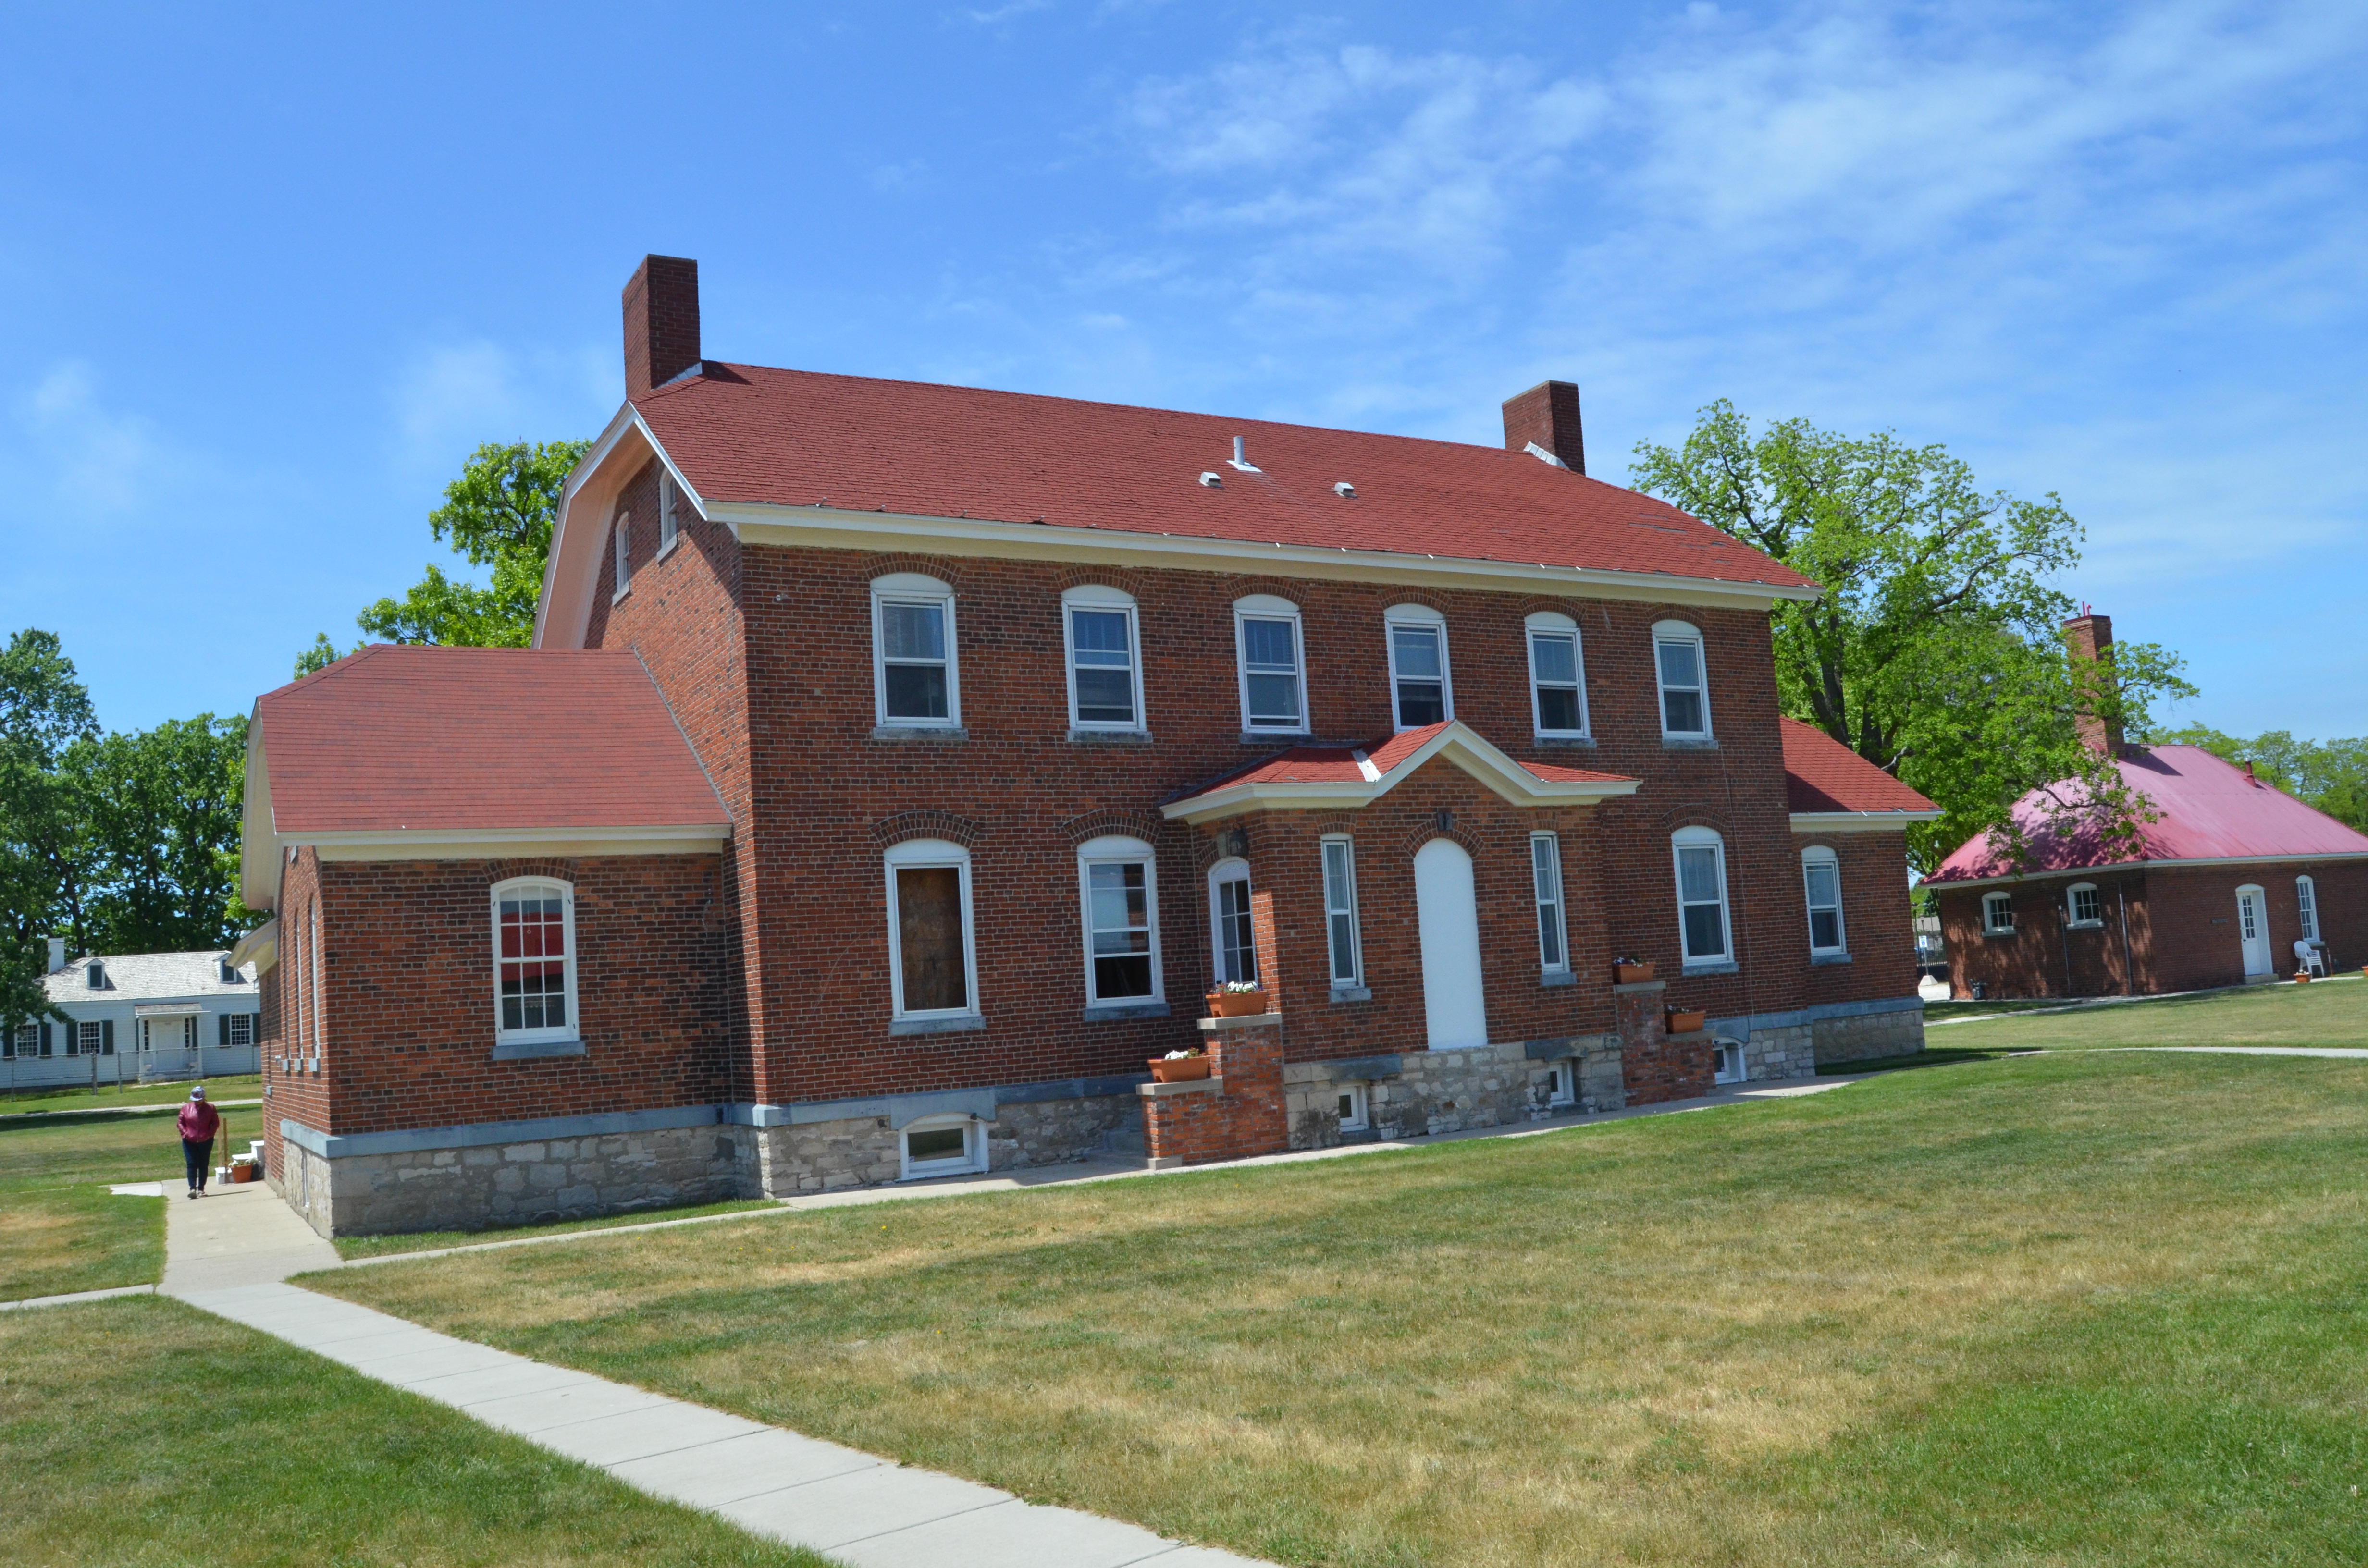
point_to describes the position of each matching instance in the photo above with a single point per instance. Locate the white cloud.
(91, 459)
(451, 398)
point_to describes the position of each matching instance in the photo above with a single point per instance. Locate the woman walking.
(199, 1122)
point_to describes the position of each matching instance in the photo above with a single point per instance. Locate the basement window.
(1561, 1083)
(1727, 1059)
(941, 1146)
(1355, 1105)
(2087, 908)
(1998, 914)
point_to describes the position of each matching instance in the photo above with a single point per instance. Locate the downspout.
(2064, 933)
(2129, 975)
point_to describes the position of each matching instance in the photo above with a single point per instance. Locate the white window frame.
(925, 852)
(913, 588)
(1727, 1064)
(622, 547)
(971, 1162)
(1687, 838)
(1418, 618)
(1552, 904)
(2072, 916)
(565, 1034)
(1990, 927)
(1269, 607)
(1347, 848)
(2306, 906)
(1359, 1117)
(240, 1024)
(669, 525)
(1820, 855)
(1672, 632)
(320, 992)
(90, 1036)
(1118, 849)
(1561, 1082)
(1235, 870)
(1549, 623)
(1106, 601)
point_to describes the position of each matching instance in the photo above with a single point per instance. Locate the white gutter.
(1859, 822)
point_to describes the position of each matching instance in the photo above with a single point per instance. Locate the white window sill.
(1709, 966)
(951, 1025)
(1352, 992)
(2084, 925)
(1998, 931)
(943, 734)
(1268, 737)
(1146, 1008)
(1829, 958)
(529, 1049)
(1557, 977)
(1079, 736)
(668, 548)
(621, 594)
(1582, 742)
(1689, 742)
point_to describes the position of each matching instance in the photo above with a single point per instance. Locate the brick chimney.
(661, 322)
(57, 954)
(2090, 638)
(1547, 416)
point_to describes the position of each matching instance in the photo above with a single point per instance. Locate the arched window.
(2307, 905)
(1102, 633)
(1821, 876)
(1118, 887)
(534, 963)
(1685, 686)
(1270, 658)
(1232, 946)
(1420, 691)
(932, 961)
(916, 675)
(1557, 677)
(1701, 895)
(2084, 906)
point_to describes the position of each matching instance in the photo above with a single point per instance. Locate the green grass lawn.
(423, 1241)
(144, 1432)
(60, 1227)
(109, 1096)
(2327, 1012)
(2080, 1309)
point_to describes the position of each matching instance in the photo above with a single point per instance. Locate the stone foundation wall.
(1418, 1093)
(1869, 1035)
(516, 1184)
(1789, 1052)
(824, 1156)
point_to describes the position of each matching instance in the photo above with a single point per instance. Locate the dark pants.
(200, 1158)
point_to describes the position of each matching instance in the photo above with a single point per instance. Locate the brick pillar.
(1236, 1111)
(1655, 1065)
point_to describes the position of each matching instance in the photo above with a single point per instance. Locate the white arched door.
(2253, 930)
(1447, 914)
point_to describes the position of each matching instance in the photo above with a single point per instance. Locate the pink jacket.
(199, 1121)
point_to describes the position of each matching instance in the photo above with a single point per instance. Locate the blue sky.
(272, 274)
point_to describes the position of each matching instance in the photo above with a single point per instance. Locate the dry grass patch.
(1705, 1338)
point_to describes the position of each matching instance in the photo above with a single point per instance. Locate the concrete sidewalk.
(2341, 1052)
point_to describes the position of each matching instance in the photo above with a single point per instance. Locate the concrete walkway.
(2341, 1052)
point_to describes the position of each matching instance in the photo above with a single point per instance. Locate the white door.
(2253, 929)
(1448, 917)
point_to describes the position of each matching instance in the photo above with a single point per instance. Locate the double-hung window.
(1997, 913)
(1272, 658)
(238, 1028)
(1105, 663)
(1545, 871)
(1340, 913)
(624, 554)
(916, 682)
(1419, 691)
(1685, 690)
(1120, 888)
(1558, 677)
(1701, 895)
(1821, 875)
(1231, 940)
(932, 962)
(2306, 906)
(534, 963)
(667, 525)
(92, 1034)
(2087, 909)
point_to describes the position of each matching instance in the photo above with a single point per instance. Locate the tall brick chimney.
(661, 322)
(1547, 416)
(2090, 638)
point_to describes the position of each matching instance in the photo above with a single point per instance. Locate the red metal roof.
(1340, 765)
(742, 433)
(1822, 775)
(2209, 811)
(393, 739)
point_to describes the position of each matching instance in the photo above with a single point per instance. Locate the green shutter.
(107, 1038)
(222, 1029)
(46, 1050)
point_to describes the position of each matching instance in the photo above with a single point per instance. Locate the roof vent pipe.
(1241, 458)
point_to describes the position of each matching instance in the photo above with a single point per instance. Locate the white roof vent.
(1343, 488)
(1213, 480)
(1241, 458)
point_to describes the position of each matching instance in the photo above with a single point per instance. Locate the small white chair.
(2308, 957)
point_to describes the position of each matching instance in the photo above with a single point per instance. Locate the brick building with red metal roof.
(2228, 878)
(897, 765)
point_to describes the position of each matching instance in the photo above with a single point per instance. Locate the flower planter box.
(1633, 973)
(1178, 1069)
(1684, 1023)
(2301, 977)
(1235, 1003)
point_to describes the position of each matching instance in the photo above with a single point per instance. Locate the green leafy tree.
(1936, 651)
(320, 656)
(47, 857)
(499, 513)
(23, 999)
(2331, 775)
(164, 807)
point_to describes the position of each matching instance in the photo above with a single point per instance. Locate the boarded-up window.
(929, 939)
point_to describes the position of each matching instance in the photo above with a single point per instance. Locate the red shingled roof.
(473, 739)
(2208, 809)
(1349, 765)
(740, 433)
(1822, 775)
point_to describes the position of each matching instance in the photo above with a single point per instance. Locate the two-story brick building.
(897, 765)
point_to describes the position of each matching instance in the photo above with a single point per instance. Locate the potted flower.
(1179, 1066)
(1236, 999)
(2301, 977)
(1686, 1021)
(1633, 971)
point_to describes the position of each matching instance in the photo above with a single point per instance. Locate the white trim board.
(2228, 861)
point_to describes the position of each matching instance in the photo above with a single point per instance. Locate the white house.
(138, 1016)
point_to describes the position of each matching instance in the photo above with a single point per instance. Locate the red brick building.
(2231, 876)
(1017, 723)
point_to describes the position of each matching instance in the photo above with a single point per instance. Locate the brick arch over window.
(1677, 817)
(569, 872)
(1149, 827)
(1421, 828)
(944, 569)
(1391, 595)
(890, 831)
(1125, 580)
(1233, 840)
(1242, 587)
